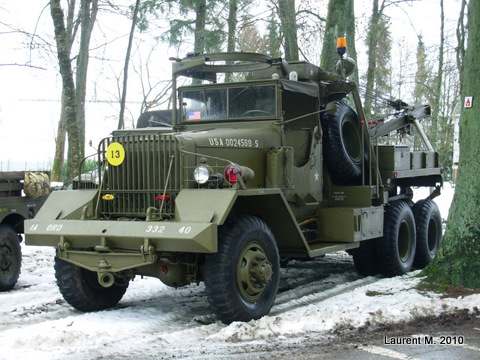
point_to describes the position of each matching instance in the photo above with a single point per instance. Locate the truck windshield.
(238, 102)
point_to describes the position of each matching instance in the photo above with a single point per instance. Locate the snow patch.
(393, 300)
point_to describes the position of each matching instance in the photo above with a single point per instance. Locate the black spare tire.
(343, 145)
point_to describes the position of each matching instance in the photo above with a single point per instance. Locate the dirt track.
(370, 344)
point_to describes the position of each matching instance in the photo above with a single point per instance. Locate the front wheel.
(242, 278)
(80, 288)
(10, 258)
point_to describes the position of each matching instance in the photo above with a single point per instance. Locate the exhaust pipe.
(106, 279)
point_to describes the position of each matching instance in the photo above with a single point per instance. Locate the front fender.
(205, 205)
(67, 204)
(216, 205)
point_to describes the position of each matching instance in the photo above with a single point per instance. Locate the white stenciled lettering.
(234, 142)
(54, 227)
(185, 230)
(157, 229)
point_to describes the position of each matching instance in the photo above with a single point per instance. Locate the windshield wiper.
(150, 121)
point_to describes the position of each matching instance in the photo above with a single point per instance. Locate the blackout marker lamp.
(341, 45)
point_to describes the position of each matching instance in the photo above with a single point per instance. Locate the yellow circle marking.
(115, 154)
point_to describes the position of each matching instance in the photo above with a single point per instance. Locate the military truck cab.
(280, 164)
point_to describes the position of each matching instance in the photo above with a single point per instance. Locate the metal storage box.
(394, 157)
(346, 224)
(416, 159)
(430, 159)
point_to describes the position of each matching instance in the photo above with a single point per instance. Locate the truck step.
(322, 248)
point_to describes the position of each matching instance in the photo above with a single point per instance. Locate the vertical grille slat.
(142, 176)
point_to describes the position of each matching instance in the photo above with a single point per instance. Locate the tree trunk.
(438, 80)
(123, 99)
(372, 56)
(460, 51)
(88, 13)
(340, 22)
(59, 159)
(63, 55)
(199, 32)
(274, 37)
(200, 19)
(232, 25)
(459, 262)
(232, 29)
(287, 14)
(421, 74)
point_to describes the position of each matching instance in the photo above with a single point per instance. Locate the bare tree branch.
(306, 11)
(35, 30)
(25, 65)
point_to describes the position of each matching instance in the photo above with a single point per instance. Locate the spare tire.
(342, 143)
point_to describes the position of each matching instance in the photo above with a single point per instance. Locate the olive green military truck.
(21, 195)
(280, 164)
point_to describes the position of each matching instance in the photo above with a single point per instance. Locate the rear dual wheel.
(366, 259)
(429, 232)
(393, 254)
(397, 250)
(242, 278)
(411, 239)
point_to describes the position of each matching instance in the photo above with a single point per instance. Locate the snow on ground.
(154, 321)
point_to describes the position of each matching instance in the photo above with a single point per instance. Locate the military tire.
(342, 145)
(397, 248)
(242, 278)
(429, 232)
(365, 258)
(81, 289)
(10, 258)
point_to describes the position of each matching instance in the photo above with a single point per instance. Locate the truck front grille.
(142, 179)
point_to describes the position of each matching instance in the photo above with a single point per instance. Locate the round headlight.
(201, 174)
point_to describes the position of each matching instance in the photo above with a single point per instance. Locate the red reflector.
(162, 197)
(231, 174)
(164, 268)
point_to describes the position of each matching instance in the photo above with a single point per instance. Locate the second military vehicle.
(279, 165)
(21, 195)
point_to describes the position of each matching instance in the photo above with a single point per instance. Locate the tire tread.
(6, 230)
(215, 276)
(77, 292)
(423, 210)
(388, 247)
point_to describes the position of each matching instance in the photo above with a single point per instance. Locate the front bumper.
(99, 245)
